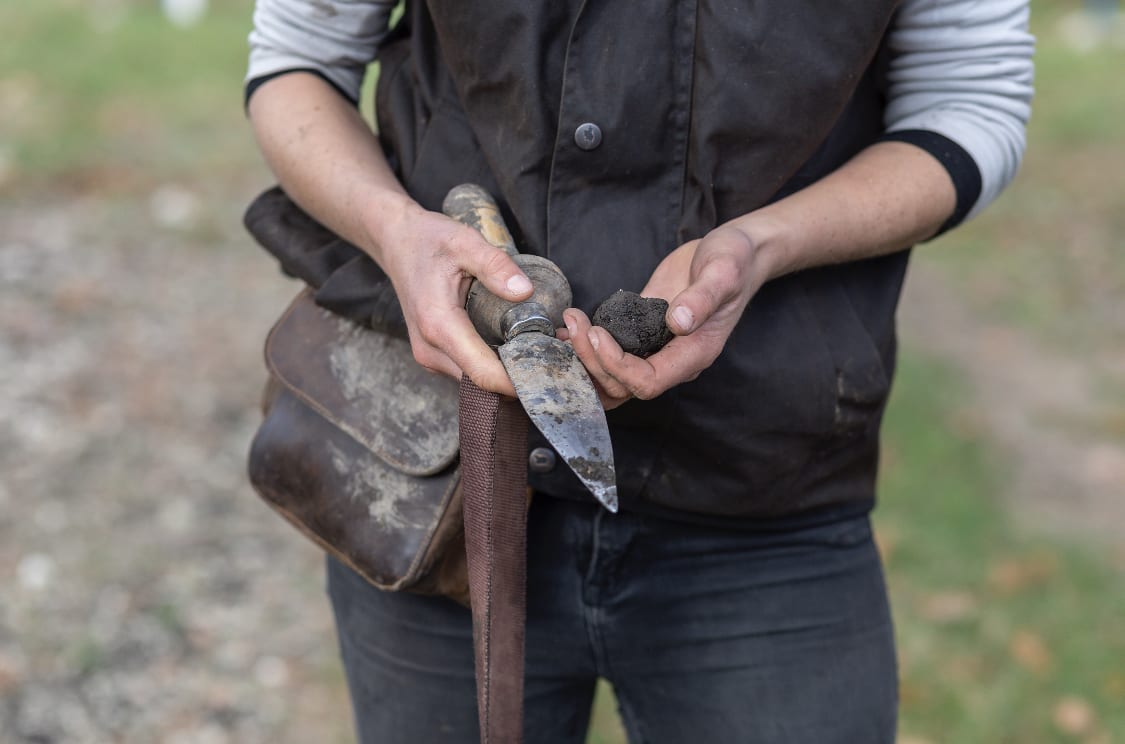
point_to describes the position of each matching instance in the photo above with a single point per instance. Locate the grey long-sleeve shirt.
(960, 71)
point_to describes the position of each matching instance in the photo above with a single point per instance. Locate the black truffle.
(635, 322)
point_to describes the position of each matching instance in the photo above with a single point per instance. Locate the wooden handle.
(471, 205)
(494, 318)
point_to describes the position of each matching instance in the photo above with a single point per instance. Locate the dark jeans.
(706, 635)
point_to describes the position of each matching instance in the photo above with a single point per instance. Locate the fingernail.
(519, 284)
(593, 339)
(683, 317)
(570, 327)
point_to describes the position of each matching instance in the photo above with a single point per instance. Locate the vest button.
(541, 460)
(588, 136)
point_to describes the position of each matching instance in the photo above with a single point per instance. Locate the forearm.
(330, 163)
(959, 71)
(328, 160)
(886, 198)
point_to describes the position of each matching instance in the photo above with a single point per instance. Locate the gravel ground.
(145, 594)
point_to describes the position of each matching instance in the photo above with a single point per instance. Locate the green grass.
(1047, 257)
(995, 627)
(111, 95)
(605, 723)
(1079, 90)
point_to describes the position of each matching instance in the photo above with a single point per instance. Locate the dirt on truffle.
(635, 322)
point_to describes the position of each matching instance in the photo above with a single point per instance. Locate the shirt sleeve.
(960, 86)
(335, 39)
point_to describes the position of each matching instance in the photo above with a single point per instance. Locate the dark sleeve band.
(257, 82)
(957, 161)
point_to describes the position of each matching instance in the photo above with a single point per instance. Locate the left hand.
(708, 284)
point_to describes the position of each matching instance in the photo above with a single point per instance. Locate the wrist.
(772, 241)
(386, 221)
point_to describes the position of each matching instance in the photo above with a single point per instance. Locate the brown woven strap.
(494, 478)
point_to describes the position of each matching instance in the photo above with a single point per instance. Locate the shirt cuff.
(962, 169)
(254, 83)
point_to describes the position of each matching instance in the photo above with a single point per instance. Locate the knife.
(550, 380)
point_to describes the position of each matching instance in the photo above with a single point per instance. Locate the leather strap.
(494, 486)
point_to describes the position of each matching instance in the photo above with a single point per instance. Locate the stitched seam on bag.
(411, 577)
(326, 546)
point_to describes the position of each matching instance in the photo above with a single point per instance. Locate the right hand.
(708, 283)
(432, 260)
(328, 160)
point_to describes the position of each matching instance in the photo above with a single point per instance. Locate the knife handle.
(495, 319)
(471, 205)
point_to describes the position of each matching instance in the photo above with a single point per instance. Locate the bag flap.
(367, 384)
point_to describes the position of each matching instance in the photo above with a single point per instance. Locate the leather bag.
(358, 449)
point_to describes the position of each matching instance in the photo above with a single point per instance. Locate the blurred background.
(146, 595)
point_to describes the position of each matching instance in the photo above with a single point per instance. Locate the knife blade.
(550, 381)
(555, 390)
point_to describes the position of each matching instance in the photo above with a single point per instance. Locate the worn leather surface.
(358, 450)
(369, 385)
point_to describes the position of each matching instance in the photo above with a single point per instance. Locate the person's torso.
(613, 132)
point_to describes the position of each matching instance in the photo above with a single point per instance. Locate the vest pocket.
(744, 432)
(789, 406)
(860, 379)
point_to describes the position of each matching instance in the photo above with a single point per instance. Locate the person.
(763, 166)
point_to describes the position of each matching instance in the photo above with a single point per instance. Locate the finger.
(452, 334)
(495, 268)
(433, 359)
(717, 280)
(608, 401)
(578, 327)
(683, 359)
(671, 276)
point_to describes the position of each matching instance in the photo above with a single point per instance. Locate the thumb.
(496, 270)
(716, 278)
